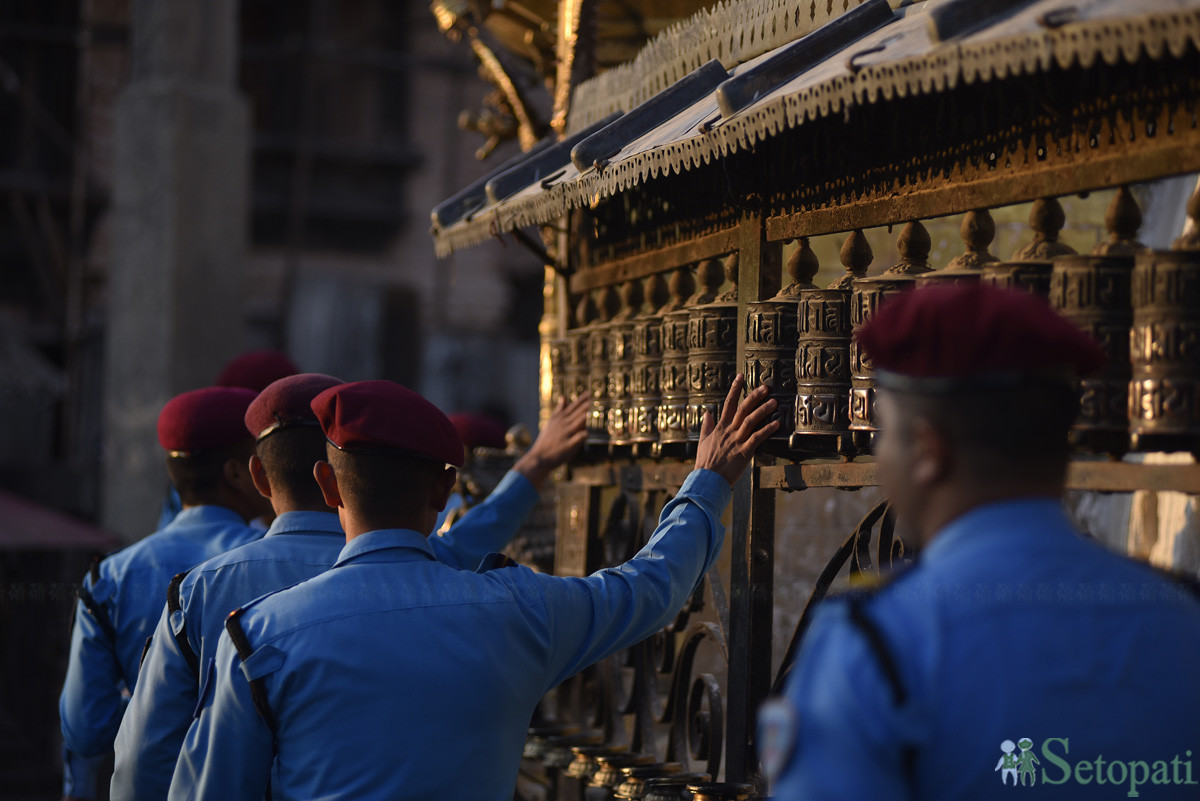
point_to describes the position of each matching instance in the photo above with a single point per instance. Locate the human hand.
(727, 444)
(560, 438)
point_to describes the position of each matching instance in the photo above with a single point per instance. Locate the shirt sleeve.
(488, 527)
(157, 719)
(844, 735)
(228, 750)
(90, 705)
(591, 618)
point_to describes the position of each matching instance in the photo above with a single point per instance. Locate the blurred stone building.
(184, 181)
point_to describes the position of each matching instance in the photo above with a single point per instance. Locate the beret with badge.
(204, 420)
(945, 339)
(382, 416)
(287, 403)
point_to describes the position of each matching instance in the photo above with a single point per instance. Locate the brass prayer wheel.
(1094, 292)
(620, 382)
(673, 382)
(558, 370)
(822, 369)
(1031, 275)
(712, 361)
(865, 299)
(1164, 394)
(771, 339)
(597, 421)
(575, 368)
(647, 365)
(647, 370)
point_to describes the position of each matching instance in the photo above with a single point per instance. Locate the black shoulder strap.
(887, 663)
(181, 639)
(258, 692)
(98, 613)
(879, 647)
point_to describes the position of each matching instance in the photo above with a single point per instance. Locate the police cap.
(370, 416)
(286, 403)
(941, 339)
(204, 419)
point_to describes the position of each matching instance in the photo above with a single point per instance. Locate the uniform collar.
(405, 545)
(306, 523)
(205, 515)
(1004, 521)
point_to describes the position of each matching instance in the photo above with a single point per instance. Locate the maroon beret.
(479, 430)
(941, 338)
(287, 402)
(256, 369)
(204, 419)
(366, 415)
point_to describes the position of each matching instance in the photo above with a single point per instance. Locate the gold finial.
(680, 285)
(1123, 218)
(711, 274)
(1046, 218)
(914, 245)
(856, 258)
(978, 229)
(802, 267)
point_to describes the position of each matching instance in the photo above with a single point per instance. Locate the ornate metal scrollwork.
(855, 551)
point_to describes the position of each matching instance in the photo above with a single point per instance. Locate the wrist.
(534, 467)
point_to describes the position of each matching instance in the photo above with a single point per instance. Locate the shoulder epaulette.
(181, 639)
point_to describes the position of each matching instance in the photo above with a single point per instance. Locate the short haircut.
(999, 432)
(383, 483)
(288, 456)
(196, 475)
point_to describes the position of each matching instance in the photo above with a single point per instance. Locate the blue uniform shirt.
(106, 647)
(392, 676)
(298, 546)
(1025, 653)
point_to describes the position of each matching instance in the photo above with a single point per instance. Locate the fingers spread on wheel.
(729, 412)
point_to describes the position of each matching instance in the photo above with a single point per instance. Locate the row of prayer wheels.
(667, 354)
(579, 767)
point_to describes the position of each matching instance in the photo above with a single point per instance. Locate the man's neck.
(952, 501)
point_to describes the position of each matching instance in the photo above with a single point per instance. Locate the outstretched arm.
(593, 617)
(491, 525)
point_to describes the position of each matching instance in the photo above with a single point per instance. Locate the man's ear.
(327, 481)
(237, 474)
(931, 453)
(442, 487)
(258, 475)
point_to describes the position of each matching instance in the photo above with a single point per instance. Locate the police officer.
(1011, 629)
(304, 540)
(207, 459)
(253, 370)
(393, 676)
